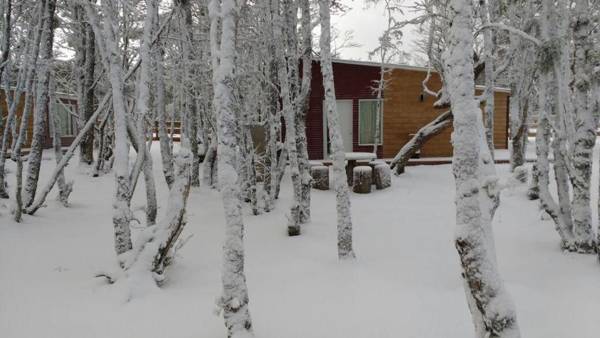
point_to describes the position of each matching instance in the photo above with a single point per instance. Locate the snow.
(362, 169)
(405, 281)
(359, 156)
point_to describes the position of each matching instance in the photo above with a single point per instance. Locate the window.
(65, 118)
(367, 116)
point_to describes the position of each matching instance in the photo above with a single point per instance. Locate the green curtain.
(367, 119)
(64, 120)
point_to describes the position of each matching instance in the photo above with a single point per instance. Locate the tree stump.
(362, 179)
(320, 175)
(383, 176)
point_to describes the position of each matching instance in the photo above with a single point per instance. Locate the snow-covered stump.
(320, 176)
(362, 177)
(382, 176)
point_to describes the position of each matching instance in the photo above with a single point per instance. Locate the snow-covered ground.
(405, 282)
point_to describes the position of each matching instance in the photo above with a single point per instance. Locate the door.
(344, 108)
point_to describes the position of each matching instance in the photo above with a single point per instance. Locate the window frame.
(380, 143)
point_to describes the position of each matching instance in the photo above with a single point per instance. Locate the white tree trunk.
(475, 184)
(27, 107)
(289, 114)
(64, 188)
(191, 106)
(234, 299)
(488, 56)
(585, 132)
(106, 39)
(142, 105)
(344, 220)
(166, 144)
(302, 142)
(157, 245)
(43, 72)
(86, 66)
(4, 79)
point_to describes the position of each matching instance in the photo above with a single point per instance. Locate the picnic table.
(352, 159)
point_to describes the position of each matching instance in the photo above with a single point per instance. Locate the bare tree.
(476, 194)
(344, 220)
(234, 299)
(106, 39)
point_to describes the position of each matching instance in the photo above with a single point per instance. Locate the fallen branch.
(421, 137)
(41, 198)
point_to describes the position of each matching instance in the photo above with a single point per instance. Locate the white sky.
(367, 24)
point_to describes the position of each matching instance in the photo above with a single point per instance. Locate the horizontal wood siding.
(406, 111)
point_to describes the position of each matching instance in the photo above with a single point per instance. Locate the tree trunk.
(210, 163)
(142, 108)
(166, 144)
(286, 95)
(234, 299)
(64, 188)
(156, 249)
(344, 221)
(488, 55)
(27, 107)
(109, 48)
(40, 116)
(585, 132)
(86, 94)
(473, 172)
(191, 104)
(302, 142)
(4, 78)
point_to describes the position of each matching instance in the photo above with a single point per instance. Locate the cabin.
(405, 110)
(66, 108)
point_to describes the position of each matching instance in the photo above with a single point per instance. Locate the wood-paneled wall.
(406, 110)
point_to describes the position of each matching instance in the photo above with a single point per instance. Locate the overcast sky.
(367, 24)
